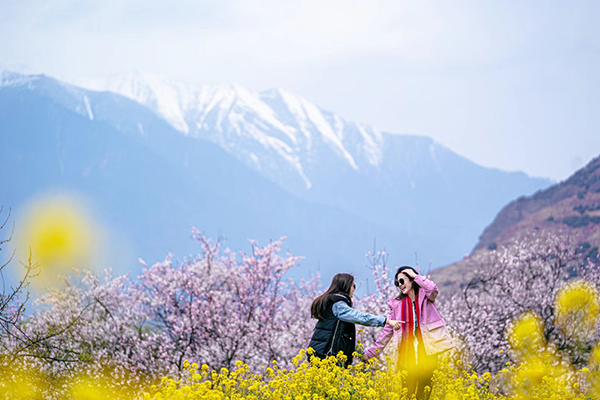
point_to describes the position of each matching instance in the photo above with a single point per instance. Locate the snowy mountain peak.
(166, 98)
(9, 78)
(274, 131)
(309, 119)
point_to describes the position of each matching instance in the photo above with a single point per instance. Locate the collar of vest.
(342, 296)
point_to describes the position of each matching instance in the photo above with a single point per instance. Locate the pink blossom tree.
(525, 276)
(219, 309)
(215, 308)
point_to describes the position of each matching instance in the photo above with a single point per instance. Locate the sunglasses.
(399, 282)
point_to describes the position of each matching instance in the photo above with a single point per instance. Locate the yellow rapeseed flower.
(525, 335)
(59, 234)
(576, 308)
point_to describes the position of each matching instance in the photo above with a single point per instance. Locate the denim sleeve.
(344, 312)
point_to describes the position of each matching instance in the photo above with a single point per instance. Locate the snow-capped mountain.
(148, 183)
(9, 78)
(402, 186)
(403, 182)
(278, 134)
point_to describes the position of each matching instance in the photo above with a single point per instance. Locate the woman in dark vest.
(335, 330)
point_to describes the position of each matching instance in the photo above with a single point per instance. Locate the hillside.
(569, 209)
(572, 206)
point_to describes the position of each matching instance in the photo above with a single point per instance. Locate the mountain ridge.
(569, 209)
(154, 199)
(582, 189)
(410, 185)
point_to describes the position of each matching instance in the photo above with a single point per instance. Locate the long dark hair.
(341, 283)
(414, 285)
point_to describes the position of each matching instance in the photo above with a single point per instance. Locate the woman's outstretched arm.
(344, 312)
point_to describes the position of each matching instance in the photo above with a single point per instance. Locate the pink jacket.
(435, 334)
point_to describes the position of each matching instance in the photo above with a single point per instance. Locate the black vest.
(332, 335)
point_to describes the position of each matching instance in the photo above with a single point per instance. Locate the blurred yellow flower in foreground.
(59, 233)
(19, 385)
(526, 335)
(577, 307)
(86, 388)
(594, 361)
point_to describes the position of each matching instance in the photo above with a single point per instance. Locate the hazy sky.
(509, 84)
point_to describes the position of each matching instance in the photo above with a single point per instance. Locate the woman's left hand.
(410, 273)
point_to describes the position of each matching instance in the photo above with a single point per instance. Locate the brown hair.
(341, 283)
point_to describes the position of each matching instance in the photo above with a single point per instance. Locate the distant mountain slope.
(405, 183)
(571, 206)
(568, 209)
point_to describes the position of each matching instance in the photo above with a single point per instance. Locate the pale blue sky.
(508, 84)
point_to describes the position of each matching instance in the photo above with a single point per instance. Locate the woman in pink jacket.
(422, 337)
